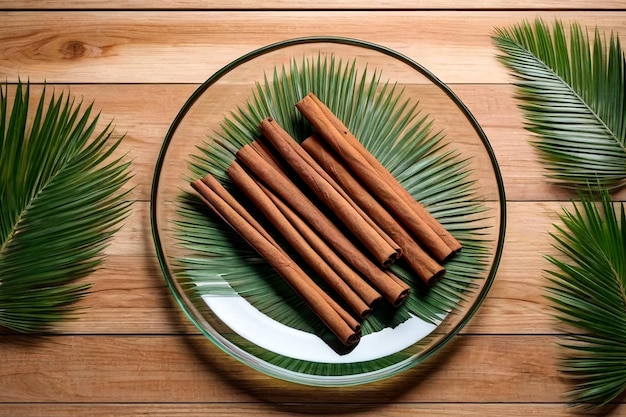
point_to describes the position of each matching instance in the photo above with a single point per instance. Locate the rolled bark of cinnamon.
(414, 256)
(374, 239)
(259, 196)
(445, 235)
(216, 187)
(290, 193)
(345, 271)
(348, 333)
(364, 170)
(261, 148)
(365, 291)
(269, 157)
(393, 277)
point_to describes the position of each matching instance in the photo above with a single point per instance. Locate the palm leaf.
(60, 205)
(588, 292)
(394, 131)
(574, 100)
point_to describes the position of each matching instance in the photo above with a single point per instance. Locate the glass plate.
(222, 285)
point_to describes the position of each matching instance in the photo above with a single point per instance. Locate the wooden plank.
(129, 294)
(186, 47)
(172, 369)
(144, 114)
(304, 5)
(515, 303)
(263, 409)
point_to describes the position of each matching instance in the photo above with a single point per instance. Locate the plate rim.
(232, 349)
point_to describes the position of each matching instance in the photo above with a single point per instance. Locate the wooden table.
(133, 352)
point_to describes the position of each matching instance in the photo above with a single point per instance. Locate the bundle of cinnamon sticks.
(350, 223)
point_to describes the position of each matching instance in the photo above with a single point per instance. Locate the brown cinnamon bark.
(214, 185)
(445, 235)
(414, 256)
(259, 196)
(393, 277)
(262, 149)
(364, 170)
(282, 263)
(345, 271)
(365, 291)
(312, 174)
(269, 157)
(290, 193)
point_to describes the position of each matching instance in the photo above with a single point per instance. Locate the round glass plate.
(413, 123)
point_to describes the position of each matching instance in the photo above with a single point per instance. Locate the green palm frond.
(60, 204)
(588, 292)
(574, 100)
(395, 131)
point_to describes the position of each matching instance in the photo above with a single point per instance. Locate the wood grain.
(168, 369)
(304, 5)
(264, 409)
(187, 47)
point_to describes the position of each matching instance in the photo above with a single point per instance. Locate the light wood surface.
(303, 5)
(133, 352)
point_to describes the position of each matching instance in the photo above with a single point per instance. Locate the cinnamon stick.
(415, 257)
(394, 278)
(290, 193)
(364, 170)
(214, 185)
(345, 271)
(365, 291)
(348, 333)
(259, 196)
(445, 235)
(317, 180)
(262, 149)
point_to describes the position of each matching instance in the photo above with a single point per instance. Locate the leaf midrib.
(612, 134)
(28, 206)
